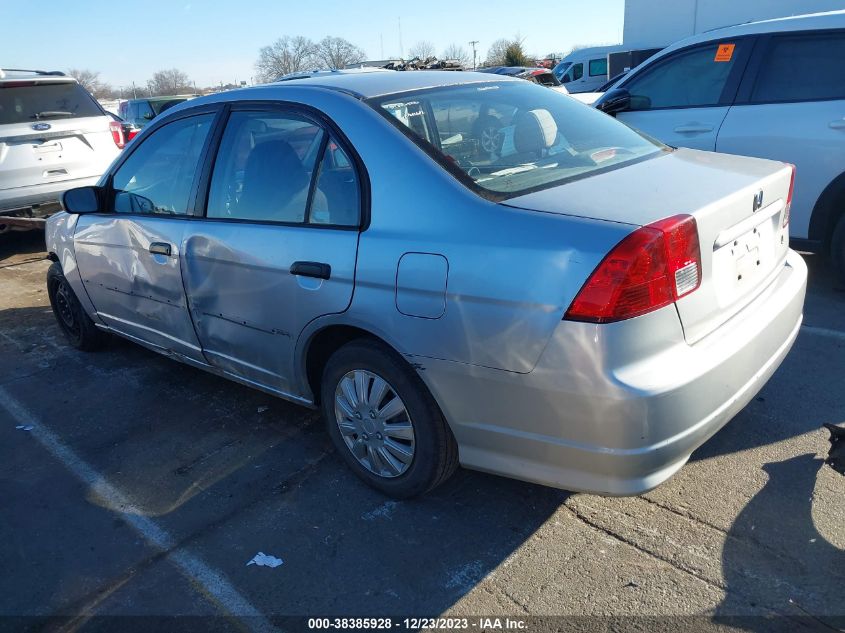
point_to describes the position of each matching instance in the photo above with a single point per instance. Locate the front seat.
(273, 178)
(535, 131)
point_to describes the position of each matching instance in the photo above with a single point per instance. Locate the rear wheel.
(73, 321)
(383, 421)
(837, 248)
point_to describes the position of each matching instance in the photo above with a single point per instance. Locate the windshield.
(513, 137)
(561, 68)
(35, 102)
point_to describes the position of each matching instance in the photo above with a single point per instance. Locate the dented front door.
(130, 255)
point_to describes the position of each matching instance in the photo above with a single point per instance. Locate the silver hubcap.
(374, 423)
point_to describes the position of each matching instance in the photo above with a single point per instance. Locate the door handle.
(839, 124)
(693, 129)
(317, 270)
(160, 248)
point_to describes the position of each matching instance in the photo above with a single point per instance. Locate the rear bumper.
(21, 199)
(617, 409)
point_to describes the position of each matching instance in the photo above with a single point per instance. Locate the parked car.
(542, 76)
(53, 136)
(581, 309)
(773, 89)
(139, 112)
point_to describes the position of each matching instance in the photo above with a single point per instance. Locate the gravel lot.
(144, 487)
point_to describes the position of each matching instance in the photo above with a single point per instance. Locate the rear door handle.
(839, 124)
(693, 129)
(317, 270)
(160, 248)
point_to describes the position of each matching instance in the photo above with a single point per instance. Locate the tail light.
(116, 129)
(652, 267)
(789, 196)
(131, 134)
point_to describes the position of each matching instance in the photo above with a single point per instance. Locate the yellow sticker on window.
(725, 52)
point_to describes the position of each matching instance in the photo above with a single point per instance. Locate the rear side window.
(802, 68)
(689, 79)
(157, 177)
(598, 67)
(30, 103)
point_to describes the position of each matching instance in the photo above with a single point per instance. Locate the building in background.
(658, 22)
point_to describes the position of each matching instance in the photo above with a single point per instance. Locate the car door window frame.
(732, 84)
(190, 208)
(331, 132)
(758, 58)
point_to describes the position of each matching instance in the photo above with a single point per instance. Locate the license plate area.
(740, 265)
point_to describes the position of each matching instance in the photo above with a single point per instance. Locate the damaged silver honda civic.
(457, 268)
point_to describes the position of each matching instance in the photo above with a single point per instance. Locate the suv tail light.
(789, 196)
(116, 129)
(652, 267)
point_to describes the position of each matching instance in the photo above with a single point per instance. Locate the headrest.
(534, 130)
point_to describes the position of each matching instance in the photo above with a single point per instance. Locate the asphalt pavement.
(135, 491)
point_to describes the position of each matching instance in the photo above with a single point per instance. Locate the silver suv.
(53, 136)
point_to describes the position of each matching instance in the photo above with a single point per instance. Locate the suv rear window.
(28, 103)
(509, 138)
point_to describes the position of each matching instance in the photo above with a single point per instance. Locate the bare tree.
(422, 49)
(169, 82)
(459, 53)
(286, 55)
(496, 52)
(90, 80)
(336, 52)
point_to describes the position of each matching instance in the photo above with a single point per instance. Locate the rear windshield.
(510, 138)
(26, 104)
(160, 106)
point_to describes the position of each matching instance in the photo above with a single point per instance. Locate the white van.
(585, 70)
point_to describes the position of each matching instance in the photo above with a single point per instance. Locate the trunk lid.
(743, 243)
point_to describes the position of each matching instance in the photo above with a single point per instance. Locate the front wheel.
(383, 421)
(73, 321)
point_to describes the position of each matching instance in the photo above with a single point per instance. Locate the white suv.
(53, 136)
(773, 89)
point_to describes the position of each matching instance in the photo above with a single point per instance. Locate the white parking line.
(211, 582)
(823, 331)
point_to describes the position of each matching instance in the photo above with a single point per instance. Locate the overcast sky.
(216, 40)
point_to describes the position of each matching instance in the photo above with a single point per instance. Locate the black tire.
(837, 249)
(435, 453)
(73, 321)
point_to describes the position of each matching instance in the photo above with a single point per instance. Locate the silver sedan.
(457, 268)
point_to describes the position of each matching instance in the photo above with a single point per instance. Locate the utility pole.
(473, 43)
(134, 91)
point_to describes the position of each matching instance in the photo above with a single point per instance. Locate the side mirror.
(149, 116)
(81, 200)
(613, 101)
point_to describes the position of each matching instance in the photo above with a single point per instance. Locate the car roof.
(806, 22)
(9, 75)
(366, 85)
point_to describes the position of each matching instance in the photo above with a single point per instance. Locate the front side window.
(282, 167)
(598, 67)
(158, 176)
(575, 72)
(523, 136)
(802, 68)
(689, 79)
